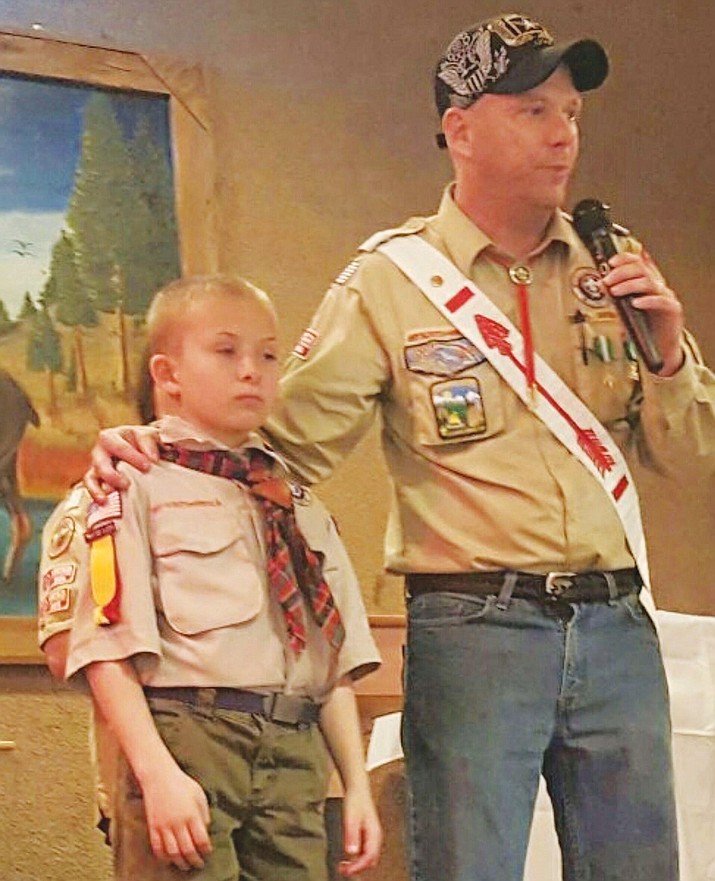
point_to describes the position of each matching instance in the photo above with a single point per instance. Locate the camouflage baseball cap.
(511, 54)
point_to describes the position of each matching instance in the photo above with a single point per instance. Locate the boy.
(211, 641)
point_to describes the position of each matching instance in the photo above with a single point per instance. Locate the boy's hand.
(177, 814)
(134, 444)
(362, 834)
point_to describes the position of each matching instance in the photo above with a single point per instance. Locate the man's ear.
(163, 371)
(456, 132)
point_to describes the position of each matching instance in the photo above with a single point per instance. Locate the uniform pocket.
(446, 609)
(207, 577)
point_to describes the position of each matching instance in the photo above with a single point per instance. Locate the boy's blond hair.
(170, 303)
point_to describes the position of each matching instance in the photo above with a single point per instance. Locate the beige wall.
(324, 132)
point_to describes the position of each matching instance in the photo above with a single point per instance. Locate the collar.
(465, 241)
(175, 430)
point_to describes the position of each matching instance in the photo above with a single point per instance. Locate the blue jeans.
(494, 697)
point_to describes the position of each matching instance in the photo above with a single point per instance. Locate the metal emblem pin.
(520, 274)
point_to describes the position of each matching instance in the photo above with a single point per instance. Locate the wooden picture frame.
(193, 169)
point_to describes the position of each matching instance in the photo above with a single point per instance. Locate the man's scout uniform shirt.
(195, 608)
(479, 483)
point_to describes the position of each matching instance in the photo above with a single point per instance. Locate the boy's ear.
(163, 371)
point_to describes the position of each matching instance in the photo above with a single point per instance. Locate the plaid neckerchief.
(294, 570)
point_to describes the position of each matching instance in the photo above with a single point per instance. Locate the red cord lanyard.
(521, 276)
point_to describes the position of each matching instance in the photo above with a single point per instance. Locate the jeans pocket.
(447, 609)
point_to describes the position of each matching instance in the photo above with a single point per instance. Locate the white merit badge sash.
(471, 311)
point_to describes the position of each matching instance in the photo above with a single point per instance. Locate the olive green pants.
(265, 783)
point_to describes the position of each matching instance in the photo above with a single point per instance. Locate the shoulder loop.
(413, 225)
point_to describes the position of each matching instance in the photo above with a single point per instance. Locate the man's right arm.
(330, 386)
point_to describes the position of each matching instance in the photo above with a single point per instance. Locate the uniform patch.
(586, 285)
(300, 494)
(58, 600)
(442, 357)
(348, 272)
(100, 517)
(110, 510)
(459, 408)
(308, 339)
(439, 333)
(65, 573)
(62, 537)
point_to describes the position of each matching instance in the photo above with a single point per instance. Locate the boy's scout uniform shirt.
(478, 481)
(64, 568)
(195, 607)
(63, 564)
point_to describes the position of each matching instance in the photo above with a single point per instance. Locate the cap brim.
(586, 60)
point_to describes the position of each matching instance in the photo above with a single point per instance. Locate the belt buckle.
(558, 582)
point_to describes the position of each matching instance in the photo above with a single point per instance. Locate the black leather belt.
(570, 587)
(287, 709)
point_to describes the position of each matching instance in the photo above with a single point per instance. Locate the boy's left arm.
(340, 724)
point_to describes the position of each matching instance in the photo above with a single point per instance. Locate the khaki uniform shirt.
(195, 606)
(479, 483)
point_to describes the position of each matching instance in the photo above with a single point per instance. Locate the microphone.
(593, 224)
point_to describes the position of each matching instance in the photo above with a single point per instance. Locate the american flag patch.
(110, 510)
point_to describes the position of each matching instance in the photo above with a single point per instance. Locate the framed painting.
(106, 193)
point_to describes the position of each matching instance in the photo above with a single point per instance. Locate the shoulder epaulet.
(413, 225)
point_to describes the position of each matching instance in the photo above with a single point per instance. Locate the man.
(528, 648)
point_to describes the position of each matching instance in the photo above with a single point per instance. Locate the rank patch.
(308, 339)
(442, 357)
(62, 537)
(459, 408)
(586, 285)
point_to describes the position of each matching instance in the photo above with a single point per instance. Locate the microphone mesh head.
(589, 216)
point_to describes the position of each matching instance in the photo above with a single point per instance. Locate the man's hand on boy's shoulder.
(134, 444)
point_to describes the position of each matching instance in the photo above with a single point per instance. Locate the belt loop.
(612, 586)
(506, 591)
(206, 700)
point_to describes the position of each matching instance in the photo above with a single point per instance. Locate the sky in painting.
(40, 136)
